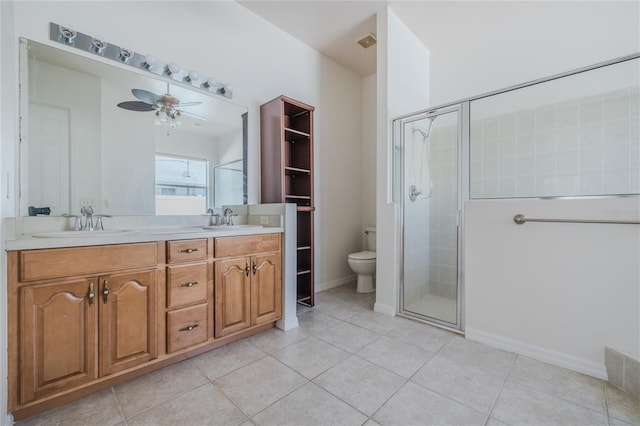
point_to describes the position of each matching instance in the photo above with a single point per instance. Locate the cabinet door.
(58, 337)
(232, 301)
(127, 320)
(266, 288)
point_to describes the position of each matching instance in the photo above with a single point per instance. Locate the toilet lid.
(363, 255)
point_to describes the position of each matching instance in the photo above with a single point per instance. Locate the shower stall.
(573, 135)
(429, 174)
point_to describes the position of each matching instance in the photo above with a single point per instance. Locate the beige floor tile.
(377, 322)
(309, 405)
(311, 356)
(415, 405)
(466, 384)
(622, 406)
(487, 358)
(155, 388)
(518, 404)
(273, 339)
(224, 360)
(398, 357)
(338, 308)
(575, 387)
(313, 322)
(257, 385)
(494, 422)
(204, 405)
(97, 409)
(360, 383)
(424, 336)
(347, 336)
(371, 422)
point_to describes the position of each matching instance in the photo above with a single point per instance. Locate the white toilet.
(363, 263)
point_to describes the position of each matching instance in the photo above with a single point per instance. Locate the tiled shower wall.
(430, 224)
(585, 146)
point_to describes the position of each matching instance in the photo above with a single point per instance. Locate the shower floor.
(436, 307)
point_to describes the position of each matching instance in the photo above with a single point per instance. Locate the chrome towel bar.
(520, 219)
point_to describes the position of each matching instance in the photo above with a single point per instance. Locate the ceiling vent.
(367, 41)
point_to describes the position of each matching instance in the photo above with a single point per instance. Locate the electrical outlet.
(264, 220)
(84, 202)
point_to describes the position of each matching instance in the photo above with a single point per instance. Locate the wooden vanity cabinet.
(73, 330)
(248, 289)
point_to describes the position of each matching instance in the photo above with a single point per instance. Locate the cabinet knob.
(91, 294)
(105, 291)
(188, 328)
(189, 284)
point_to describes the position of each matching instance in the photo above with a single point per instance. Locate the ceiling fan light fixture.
(178, 118)
(156, 119)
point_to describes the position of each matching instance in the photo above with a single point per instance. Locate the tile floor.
(346, 365)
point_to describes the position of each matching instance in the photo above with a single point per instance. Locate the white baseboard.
(541, 354)
(287, 324)
(335, 283)
(8, 420)
(384, 309)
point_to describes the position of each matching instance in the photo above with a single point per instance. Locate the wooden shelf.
(286, 160)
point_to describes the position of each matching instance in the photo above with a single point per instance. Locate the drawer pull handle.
(247, 270)
(189, 284)
(188, 250)
(255, 267)
(189, 328)
(91, 294)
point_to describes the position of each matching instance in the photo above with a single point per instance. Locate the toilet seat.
(363, 255)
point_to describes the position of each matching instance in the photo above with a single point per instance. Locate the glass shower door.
(430, 203)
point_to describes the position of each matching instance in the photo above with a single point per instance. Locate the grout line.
(124, 418)
(504, 380)
(606, 402)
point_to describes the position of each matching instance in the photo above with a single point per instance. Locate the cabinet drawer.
(67, 262)
(186, 250)
(246, 245)
(186, 284)
(186, 327)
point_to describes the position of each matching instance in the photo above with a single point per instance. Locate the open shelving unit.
(286, 165)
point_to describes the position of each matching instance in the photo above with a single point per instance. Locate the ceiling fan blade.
(194, 115)
(146, 96)
(136, 106)
(183, 104)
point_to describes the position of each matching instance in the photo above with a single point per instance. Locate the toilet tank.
(371, 238)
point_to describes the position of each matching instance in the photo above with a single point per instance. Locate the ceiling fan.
(168, 108)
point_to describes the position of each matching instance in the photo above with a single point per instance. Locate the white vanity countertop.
(29, 241)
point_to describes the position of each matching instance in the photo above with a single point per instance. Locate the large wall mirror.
(87, 139)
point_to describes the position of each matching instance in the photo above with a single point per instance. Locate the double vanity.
(91, 309)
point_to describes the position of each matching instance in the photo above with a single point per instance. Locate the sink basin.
(83, 234)
(229, 227)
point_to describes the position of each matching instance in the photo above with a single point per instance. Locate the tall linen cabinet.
(286, 164)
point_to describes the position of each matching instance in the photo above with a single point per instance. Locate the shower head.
(425, 135)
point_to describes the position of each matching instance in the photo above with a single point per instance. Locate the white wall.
(368, 153)
(226, 41)
(402, 87)
(556, 292)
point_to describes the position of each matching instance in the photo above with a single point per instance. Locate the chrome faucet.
(227, 216)
(87, 213)
(212, 221)
(77, 224)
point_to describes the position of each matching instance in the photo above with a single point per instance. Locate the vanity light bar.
(98, 46)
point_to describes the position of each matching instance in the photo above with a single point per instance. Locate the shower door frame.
(462, 152)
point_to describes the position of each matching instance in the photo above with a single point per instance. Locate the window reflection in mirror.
(181, 185)
(80, 147)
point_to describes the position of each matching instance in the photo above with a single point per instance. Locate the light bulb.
(172, 123)
(172, 69)
(67, 34)
(156, 119)
(178, 118)
(227, 90)
(210, 84)
(149, 61)
(163, 118)
(192, 76)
